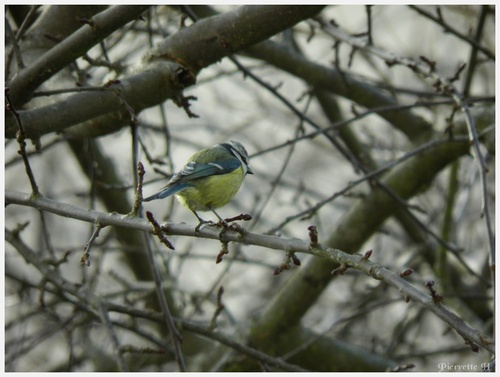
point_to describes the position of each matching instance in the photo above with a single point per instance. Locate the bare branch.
(210, 39)
(272, 242)
(98, 28)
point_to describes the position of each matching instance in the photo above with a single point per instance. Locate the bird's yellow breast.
(211, 192)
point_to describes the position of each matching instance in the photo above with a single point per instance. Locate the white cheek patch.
(243, 165)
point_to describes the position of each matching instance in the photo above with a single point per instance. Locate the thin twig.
(112, 336)
(218, 309)
(309, 212)
(15, 46)
(471, 67)
(21, 139)
(274, 184)
(176, 337)
(369, 23)
(85, 259)
(483, 170)
(167, 315)
(158, 231)
(452, 30)
(20, 32)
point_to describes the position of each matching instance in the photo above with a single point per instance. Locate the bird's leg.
(221, 220)
(201, 222)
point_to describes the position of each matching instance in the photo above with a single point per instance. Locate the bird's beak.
(249, 171)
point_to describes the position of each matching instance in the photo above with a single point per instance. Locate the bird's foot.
(225, 224)
(203, 223)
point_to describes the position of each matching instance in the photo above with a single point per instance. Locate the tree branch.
(450, 29)
(160, 80)
(273, 242)
(211, 39)
(322, 77)
(71, 48)
(355, 227)
(94, 305)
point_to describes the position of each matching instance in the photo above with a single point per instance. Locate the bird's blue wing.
(195, 170)
(191, 171)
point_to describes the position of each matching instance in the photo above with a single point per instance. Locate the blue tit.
(210, 179)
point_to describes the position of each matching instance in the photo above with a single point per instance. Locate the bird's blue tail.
(166, 191)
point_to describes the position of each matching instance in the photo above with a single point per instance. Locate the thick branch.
(96, 29)
(209, 40)
(198, 46)
(154, 84)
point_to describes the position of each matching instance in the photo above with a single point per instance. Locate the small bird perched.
(210, 179)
